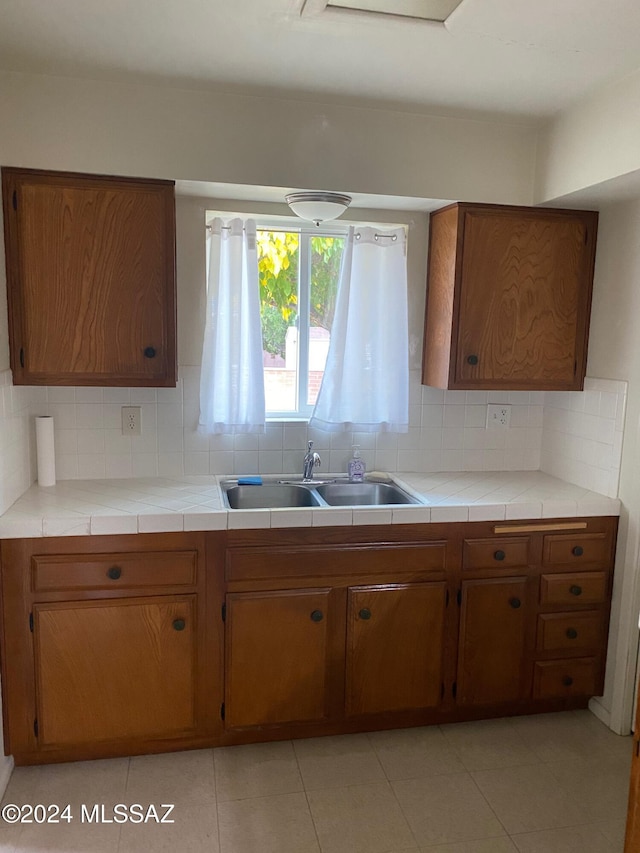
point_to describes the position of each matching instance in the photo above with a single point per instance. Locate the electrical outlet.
(131, 420)
(498, 416)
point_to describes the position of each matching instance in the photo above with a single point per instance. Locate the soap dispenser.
(356, 466)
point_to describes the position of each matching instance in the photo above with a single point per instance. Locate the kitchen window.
(305, 324)
(298, 274)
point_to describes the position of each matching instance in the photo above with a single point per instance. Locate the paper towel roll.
(45, 451)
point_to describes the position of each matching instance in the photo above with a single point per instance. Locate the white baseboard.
(6, 769)
(602, 713)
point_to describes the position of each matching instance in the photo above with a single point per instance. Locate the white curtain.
(365, 386)
(232, 383)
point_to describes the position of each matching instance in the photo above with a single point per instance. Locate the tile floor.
(552, 783)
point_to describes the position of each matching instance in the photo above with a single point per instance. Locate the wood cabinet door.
(491, 652)
(113, 670)
(525, 295)
(277, 657)
(395, 645)
(91, 279)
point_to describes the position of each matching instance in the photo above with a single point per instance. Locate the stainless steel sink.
(268, 496)
(312, 494)
(364, 494)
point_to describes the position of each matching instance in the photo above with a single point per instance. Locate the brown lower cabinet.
(395, 647)
(493, 625)
(98, 662)
(277, 657)
(108, 647)
(134, 644)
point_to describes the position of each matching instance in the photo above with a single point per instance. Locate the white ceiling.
(518, 57)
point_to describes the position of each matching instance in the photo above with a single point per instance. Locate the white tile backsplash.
(582, 435)
(89, 439)
(574, 435)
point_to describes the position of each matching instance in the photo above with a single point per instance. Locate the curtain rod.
(357, 236)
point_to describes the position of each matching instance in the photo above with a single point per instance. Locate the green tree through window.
(286, 290)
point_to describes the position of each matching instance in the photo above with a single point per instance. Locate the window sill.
(287, 420)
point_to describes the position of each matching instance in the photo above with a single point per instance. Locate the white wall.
(87, 125)
(594, 141)
(102, 127)
(15, 406)
(614, 352)
(10, 486)
(447, 431)
(587, 156)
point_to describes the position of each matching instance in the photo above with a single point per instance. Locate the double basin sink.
(291, 494)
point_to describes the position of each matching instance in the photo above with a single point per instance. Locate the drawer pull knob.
(365, 613)
(578, 551)
(179, 624)
(317, 616)
(149, 352)
(575, 590)
(472, 359)
(515, 603)
(499, 555)
(572, 634)
(567, 680)
(114, 572)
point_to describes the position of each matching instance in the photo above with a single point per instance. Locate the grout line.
(506, 831)
(126, 784)
(403, 813)
(313, 821)
(295, 755)
(215, 799)
(218, 825)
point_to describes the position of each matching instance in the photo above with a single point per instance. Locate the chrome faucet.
(311, 460)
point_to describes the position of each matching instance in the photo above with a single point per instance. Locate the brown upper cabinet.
(508, 298)
(90, 279)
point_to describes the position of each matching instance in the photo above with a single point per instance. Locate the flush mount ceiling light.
(318, 206)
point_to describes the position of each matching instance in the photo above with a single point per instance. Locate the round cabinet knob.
(179, 624)
(472, 359)
(575, 590)
(515, 603)
(499, 555)
(149, 352)
(317, 616)
(572, 634)
(567, 680)
(114, 572)
(364, 613)
(578, 551)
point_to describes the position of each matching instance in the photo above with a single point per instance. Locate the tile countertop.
(154, 505)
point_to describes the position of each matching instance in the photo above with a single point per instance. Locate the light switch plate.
(131, 420)
(498, 416)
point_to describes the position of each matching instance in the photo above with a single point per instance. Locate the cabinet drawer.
(555, 678)
(576, 548)
(578, 631)
(495, 553)
(52, 573)
(574, 588)
(331, 561)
